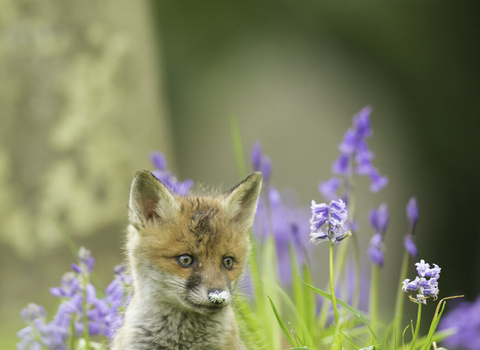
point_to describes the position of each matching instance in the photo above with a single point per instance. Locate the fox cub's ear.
(240, 204)
(150, 200)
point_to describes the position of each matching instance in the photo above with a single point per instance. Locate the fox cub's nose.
(217, 296)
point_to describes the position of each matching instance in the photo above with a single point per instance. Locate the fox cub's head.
(189, 252)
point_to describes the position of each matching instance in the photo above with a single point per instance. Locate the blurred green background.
(88, 89)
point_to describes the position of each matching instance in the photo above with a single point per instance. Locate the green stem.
(86, 334)
(400, 300)
(417, 328)
(332, 285)
(340, 258)
(351, 217)
(374, 284)
(356, 257)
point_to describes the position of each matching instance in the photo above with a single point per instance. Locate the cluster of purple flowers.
(333, 216)
(78, 297)
(426, 288)
(354, 157)
(166, 177)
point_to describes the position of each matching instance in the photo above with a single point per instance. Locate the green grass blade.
(282, 325)
(310, 302)
(346, 306)
(306, 332)
(350, 341)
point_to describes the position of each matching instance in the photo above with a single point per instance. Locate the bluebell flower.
(412, 215)
(333, 216)
(379, 219)
(158, 160)
(375, 249)
(104, 316)
(40, 334)
(329, 188)
(413, 285)
(354, 147)
(86, 262)
(261, 162)
(256, 155)
(166, 177)
(426, 283)
(412, 212)
(70, 286)
(410, 245)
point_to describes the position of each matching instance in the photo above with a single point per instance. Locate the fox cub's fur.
(186, 256)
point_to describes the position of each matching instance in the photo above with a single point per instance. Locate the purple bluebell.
(256, 155)
(412, 212)
(158, 160)
(379, 219)
(33, 312)
(40, 334)
(422, 268)
(410, 245)
(361, 121)
(329, 188)
(86, 262)
(70, 286)
(333, 216)
(166, 177)
(464, 317)
(354, 158)
(375, 249)
(341, 166)
(377, 182)
(104, 316)
(426, 283)
(413, 285)
(266, 168)
(261, 162)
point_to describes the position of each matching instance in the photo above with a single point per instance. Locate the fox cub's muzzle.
(217, 296)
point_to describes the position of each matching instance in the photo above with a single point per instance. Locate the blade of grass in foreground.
(346, 306)
(282, 324)
(306, 331)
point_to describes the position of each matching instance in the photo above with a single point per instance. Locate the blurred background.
(88, 89)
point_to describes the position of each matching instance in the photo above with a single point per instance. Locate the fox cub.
(186, 256)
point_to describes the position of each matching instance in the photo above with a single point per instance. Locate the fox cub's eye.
(228, 263)
(185, 260)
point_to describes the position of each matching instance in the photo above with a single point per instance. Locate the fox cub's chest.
(184, 332)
